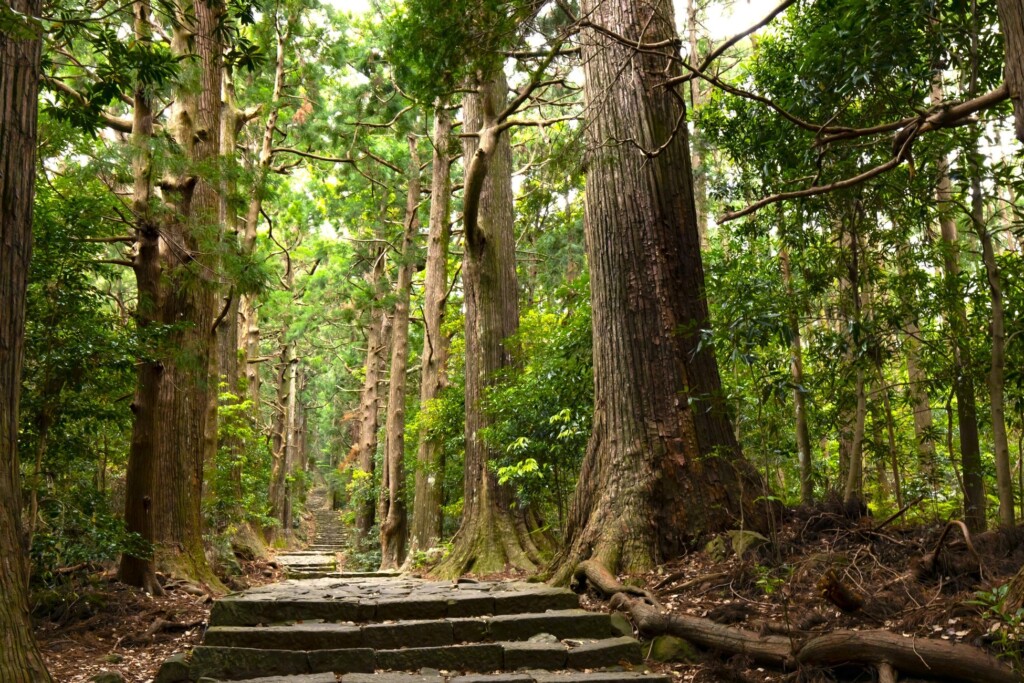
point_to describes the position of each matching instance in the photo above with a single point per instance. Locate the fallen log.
(883, 650)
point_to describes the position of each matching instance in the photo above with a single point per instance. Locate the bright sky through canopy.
(721, 21)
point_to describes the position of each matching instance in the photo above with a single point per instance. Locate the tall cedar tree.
(20, 661)
(427, 500)
(495, 533)
(662, 467)
(175, 269)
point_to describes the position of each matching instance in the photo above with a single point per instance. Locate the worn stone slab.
(411, 607)
(408, 634)
(469, 629)
(355, 660)
(388, 677)
(598, 677)
(252, 612)
(534, 656)
(304, 678)
(576, 623)
(475, 657)
(493, 678)
(534, 599)
(469, 604)
(604, 653)
(237, 662)
(326, 636)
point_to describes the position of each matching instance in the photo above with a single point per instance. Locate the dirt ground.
(828, 569)
(823, 569)
(96, 624)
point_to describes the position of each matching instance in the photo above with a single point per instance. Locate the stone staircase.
(320, 558)
(400, 630)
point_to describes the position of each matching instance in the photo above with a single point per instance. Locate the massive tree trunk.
(796, 367)
(139, 480)
(495, 534)
(20, 661)
(1011, 20)
(186, 303)
(426, 515)
(393, 519)
(963, 384)
(662, 468)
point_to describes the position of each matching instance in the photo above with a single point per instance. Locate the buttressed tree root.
(889, 653)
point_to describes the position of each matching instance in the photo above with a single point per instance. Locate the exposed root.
(887, 652)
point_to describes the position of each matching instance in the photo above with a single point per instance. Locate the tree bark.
(139, 480)
(20, 660)
(428, 498)
(796, 366)
(963, 385)
(186, 304)
(997, 364)
(284, 416)
(662, 468)
(369, 400)
(1011, 20)
(393, 518)
(494, 534)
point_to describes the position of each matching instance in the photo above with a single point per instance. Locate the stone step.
(234, 663)
(344, 599)
(563, 624)
(429, 677)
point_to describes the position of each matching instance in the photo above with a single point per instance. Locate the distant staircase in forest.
(320, 558)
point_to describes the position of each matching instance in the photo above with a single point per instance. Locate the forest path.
(323, 557)
(400, 629)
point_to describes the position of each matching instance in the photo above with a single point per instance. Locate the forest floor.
(826, 570)
(830, 570)
(93, 623)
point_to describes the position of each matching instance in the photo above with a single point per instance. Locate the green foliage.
(542, 409)
(433, 45)
(1008, 629)
(78, 374)
(80, 527)
(239, 480)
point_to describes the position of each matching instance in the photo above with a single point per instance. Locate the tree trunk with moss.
(495, 534)
(428, 497)
(20, 660)
(369, 402)
(663, 468)
(394, 522)
(179, 280)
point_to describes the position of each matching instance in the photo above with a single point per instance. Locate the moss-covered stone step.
(560, 625)
(234, 663)
(342, 599)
